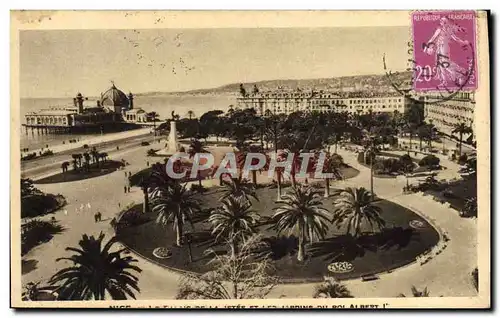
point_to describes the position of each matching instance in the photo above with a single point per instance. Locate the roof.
(135, 111)
(53, 112)
(114, 97)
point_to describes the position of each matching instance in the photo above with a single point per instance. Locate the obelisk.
(173, 145)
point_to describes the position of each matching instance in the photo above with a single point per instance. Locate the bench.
(367, 278)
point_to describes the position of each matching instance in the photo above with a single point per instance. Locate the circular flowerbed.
(372, 252)
(417, 224)
(340, 267)
(162, 253)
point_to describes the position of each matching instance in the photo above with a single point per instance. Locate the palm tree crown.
(238, 188)
(97, 272)
(356, 205)
(331, 288)
(174, 204)
(302, 214)
(234, 217)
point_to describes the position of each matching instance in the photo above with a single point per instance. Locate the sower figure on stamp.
(447, 70)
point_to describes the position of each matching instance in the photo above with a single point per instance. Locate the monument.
(173, 145)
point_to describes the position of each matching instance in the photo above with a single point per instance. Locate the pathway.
(447, 274)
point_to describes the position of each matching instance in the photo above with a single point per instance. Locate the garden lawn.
(398, 245)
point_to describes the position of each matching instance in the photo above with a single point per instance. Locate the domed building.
(113, 110)
(115, 100)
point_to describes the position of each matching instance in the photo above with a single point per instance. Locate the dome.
(114, 97)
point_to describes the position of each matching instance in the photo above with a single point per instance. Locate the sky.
(59, 63)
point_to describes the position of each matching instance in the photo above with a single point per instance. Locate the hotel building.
(286, 102)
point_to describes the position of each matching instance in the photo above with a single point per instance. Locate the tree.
(174, 204)
(190, 114)
(356, 205)
(153, 116)
(234, 220)
(248, 275)
(417, 293)
(407, 166)
(195, 147)
(331, 288)
(86, 156)
(97, 272)
(64, 166)
(333, 164)
(28, 188)
(239, 188)
(243, 91)
(461, 129)
(303, 215)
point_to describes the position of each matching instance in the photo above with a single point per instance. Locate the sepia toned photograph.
(250, 159)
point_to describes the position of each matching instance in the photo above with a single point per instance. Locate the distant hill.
(377, 82)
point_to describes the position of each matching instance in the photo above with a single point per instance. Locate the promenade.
(447, 274)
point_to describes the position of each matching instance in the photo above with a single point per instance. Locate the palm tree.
(356, 205)
(154, 116)
(174, 204)
(461, 129)
(64, 166)
(86, 156)
(97, 272)
(234, 219)
(417, 293)
(196, 147)
(238, 188)
(331, 288)
(75, 161)
(302, 214)
(190, 114)
(333, 164)
(144, 184)
(371, 150)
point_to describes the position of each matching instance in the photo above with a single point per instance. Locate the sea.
(163, 105)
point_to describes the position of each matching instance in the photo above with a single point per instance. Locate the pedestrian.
(95, 217)
(125, 174)
(147, 163)
(128, 189)
(124, 189)
(119, 205)
(129, 174)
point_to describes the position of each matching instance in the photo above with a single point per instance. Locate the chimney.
(79, 100)
(130, 101)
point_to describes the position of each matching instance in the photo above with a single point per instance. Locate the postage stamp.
(242, 160)
(444, 50)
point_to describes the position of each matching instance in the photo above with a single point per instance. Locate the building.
(445, 113)
(286, 102)
(113, 108)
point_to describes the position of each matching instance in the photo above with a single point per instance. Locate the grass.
(104, 168)
(382, 251)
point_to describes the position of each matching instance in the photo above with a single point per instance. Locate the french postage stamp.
(242, 160)
(444, 50)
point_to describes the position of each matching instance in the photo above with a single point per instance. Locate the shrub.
(429, 161)
(29, 156)
(462, 159)
(151, 152)
(35, 232)
(198, 188)
(46, 153)
(470, 208)
(361, 157)
(40, 204)
(144, 143)
(85, 146)
(133, 217)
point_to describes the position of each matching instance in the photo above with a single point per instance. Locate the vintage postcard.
(196, 159)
